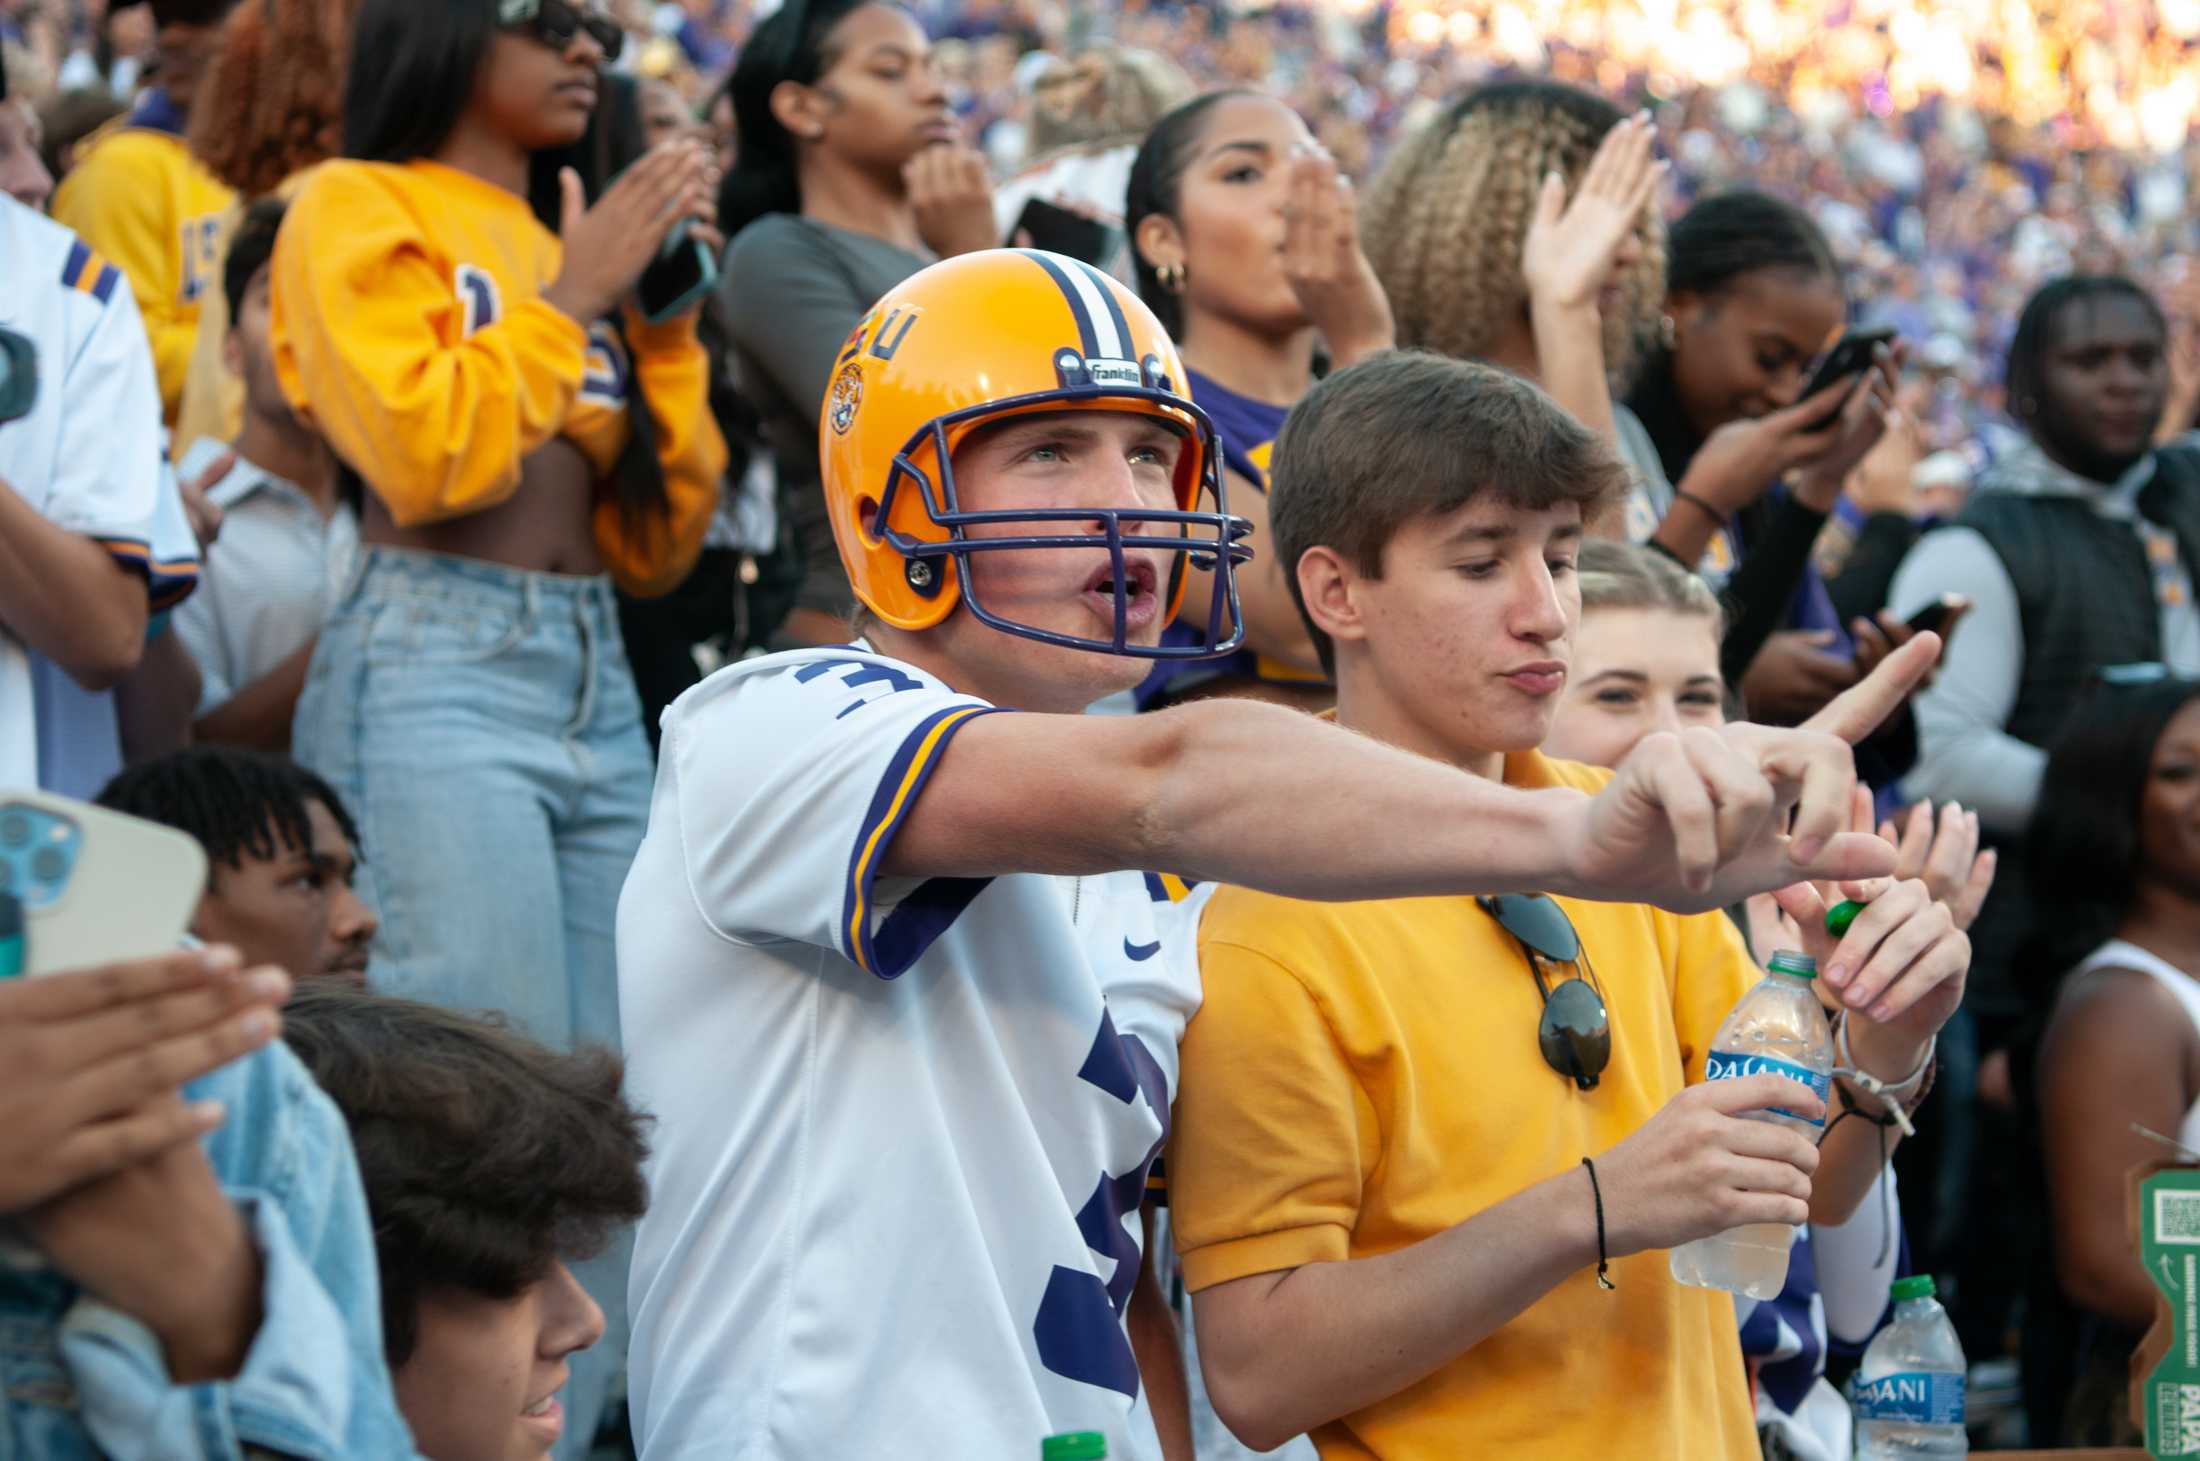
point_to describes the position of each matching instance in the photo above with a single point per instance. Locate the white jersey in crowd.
(88, 458)
(903, 1128)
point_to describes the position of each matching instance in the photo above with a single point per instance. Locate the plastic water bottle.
(1909, 1393)
(1779, 1028)
(1074, 1446)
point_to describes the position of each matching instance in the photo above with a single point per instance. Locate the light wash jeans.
(83, 1380)
(481, 724)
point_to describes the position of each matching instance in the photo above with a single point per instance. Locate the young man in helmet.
(907, 1025)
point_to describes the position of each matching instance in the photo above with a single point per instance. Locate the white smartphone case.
(129, 893)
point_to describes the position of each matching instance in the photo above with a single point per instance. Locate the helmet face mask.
(1210, 541)
(904, 531)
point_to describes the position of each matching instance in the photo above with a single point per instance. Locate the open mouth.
(1141, 597)
(546, 1418)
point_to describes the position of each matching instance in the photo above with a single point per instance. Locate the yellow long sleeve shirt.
(409, 329)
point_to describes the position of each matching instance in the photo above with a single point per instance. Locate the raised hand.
(1572, 246)
(1704, 818)
(951, 189)
(607, 246)
(1322, 258)
(1899, 968)
(1944, 853)
(95, 1058)
(1738, 462)
(1863, 422)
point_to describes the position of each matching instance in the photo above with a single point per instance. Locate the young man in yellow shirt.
(1377, 1173)
(138, 197)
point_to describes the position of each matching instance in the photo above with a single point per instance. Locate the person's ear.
(802, 110)
(1160, 243)
(1331, 588)
(1684, 309)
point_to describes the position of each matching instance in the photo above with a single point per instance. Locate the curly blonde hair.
(1117, 94)
(272, 101)
(1444, 221)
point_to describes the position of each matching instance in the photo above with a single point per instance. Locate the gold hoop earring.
(1171, 277)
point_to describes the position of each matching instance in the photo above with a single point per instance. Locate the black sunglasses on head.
(1575, 1033)
(555, 23)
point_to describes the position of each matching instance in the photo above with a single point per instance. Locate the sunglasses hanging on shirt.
(555, 23)
(1575, 1033)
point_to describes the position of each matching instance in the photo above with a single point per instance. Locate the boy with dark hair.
(490, 1162)
(285, 533)
(283, 852)
(1420, 1175)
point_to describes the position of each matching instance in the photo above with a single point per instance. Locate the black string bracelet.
(1604, 1264)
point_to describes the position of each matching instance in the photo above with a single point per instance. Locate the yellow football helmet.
(973, 339)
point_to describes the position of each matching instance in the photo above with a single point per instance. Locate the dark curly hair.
(269, 106)
(233, 803)
(487, 1157)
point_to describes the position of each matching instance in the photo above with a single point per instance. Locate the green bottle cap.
(1075, 1446)
(1841, 915)
(1916, 1286)
(1793, 964)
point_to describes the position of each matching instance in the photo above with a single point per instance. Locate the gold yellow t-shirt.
(141, 199)
(1363, 1076)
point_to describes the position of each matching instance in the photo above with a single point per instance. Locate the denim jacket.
(83, 1380)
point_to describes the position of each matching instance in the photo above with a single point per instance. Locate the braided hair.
(235, 804)
(1445, 219)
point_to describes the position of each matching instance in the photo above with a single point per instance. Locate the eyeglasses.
(1575, 1033)
(555, 23)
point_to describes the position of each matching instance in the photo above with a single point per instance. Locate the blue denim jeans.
(482, 726)
(80, 1380)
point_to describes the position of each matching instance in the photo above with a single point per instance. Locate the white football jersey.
(903, 1128)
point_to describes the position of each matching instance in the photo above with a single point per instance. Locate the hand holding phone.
(95, 1058)
(1852, 356)
(1939, 616)
(94, 886)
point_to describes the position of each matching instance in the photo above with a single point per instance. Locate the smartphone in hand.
(1939, 616)
(92, 886)
(683, 272)
(1852, 356)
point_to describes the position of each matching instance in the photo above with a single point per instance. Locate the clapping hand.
(1573, 246)
(1329, 272)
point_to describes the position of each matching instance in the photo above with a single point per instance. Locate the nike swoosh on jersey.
(1140, 953)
